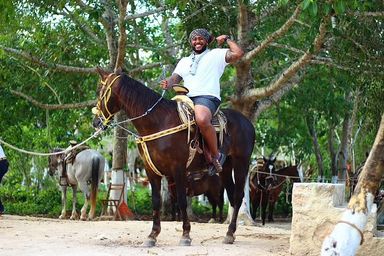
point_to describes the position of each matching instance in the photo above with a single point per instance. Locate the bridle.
(103, 100)
(106, 95)
(271, 176)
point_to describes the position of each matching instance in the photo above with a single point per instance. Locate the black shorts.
(3, 167)
(210, 102)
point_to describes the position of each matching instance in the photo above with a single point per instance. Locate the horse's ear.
(264, 159)
(101, 72)
(119, 70)
(275, 156)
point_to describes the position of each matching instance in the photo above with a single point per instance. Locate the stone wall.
(317, 207)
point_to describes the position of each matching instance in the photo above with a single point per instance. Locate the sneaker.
(217, 165)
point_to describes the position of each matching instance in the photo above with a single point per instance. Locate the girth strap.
(141, 141)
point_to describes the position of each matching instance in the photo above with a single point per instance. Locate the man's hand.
(170, 82)
(164, 84)
(221, 39)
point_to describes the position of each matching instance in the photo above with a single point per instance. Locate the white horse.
(86, 168)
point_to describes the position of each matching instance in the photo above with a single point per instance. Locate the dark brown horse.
(267, 184)
(163, 143)
(199, 184)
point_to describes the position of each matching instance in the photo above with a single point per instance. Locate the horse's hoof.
(149, 243)
(62, 217)
(212, 220)
(74, 217)
(185, 241)
(229, 239)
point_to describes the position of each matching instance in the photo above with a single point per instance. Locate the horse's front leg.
(156, 206)
(213, 215)
(87, 195)
(74, 215)
(182, 202)
(63, 214)
(271, 205)
(264, 202)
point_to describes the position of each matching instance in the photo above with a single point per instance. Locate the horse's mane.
(133, 91)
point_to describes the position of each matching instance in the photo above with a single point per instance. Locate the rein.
(104, 100)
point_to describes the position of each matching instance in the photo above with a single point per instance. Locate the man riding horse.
(201, 72)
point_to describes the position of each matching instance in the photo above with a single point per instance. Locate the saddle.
(71, 155)
(185, 109)
(69, 158)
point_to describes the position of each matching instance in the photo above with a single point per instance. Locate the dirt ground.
(30, 236)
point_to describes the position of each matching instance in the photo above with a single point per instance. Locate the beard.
(199, 51)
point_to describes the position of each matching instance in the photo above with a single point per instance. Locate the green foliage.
(22, 201)
(140, 201)
(203, 210)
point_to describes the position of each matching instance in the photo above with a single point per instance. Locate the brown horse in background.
(199, 184)
(163, 140)
(267, 184)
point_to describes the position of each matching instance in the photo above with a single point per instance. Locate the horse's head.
(107, 101)
(266, 175)
(54, 161)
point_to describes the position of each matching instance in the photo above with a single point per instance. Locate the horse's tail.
(94, 180)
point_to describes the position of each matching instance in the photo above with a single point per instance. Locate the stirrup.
(217, 165)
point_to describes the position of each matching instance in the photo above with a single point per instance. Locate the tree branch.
(144, 14)
(367, 14)
(89, 103)
(134, 71)
(57, 67)
(258, 93)
(277, 34)
(276, 97)
(243, 25)
(84, 27)
(109, 25)
(123, 35)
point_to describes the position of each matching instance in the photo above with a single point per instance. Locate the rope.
(355, 227)
(53, 153)
(279, 175)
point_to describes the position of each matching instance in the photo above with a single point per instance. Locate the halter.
(104, 100)
(107, 94)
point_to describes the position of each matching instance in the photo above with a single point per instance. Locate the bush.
(140, 201)
(23, 201)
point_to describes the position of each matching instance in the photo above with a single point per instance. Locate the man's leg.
(3, 170)
(203, 119)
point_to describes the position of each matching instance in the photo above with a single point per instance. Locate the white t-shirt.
(206, 80)
(2, 154)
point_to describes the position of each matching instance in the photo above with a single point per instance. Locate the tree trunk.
(347, 234)
(316, 147)
(119, 159)
(332, 152)
(345, 142)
